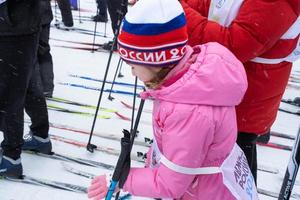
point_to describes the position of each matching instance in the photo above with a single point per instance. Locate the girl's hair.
(158, 79)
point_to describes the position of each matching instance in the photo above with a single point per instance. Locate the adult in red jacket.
(264, 35)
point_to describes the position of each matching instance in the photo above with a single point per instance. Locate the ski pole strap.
(188, 170)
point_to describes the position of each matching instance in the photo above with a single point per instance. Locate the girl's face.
(143, 73)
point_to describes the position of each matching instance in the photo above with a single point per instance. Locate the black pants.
(45, 60)
(36, 107)
(66, 13)
(102, 8)
(247, 142)
(114, 6)
(17, 54)
(20, 86)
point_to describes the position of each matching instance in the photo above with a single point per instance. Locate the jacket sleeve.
(185, 142)
(256, 28)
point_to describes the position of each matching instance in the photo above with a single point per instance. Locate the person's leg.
(102, 11)
(247, 142)
(14, 79)
(35, 106)
(66, 13)
(45, 61)
(114, 8)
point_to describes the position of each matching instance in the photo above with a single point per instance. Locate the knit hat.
(153, 33)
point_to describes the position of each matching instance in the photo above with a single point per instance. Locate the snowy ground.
(85, 63)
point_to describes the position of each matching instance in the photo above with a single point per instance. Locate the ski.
(97, 134)
(91, 48)
(77, 172)
(109, 82)
(85, 174)
(74, 103)
(48, 183)
(61, 157)
(79, 30)
(290, 111)
(295, 102)
(139, 156)
(96, 88)
(127, 105)
(76, 42)
(294, 80)
(123, 117)
(77, 48)
(119, 115)
(275, 194)
(267, 169)
(276, 146)
(294, 86)
(282, 135)
(291, 171)
(60, 109)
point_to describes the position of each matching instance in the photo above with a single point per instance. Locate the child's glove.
(98, 188)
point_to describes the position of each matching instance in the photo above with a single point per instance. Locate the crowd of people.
(216, 70)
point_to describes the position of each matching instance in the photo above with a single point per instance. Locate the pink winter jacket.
(194, 124)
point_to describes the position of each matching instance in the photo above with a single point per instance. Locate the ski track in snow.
(85, 63)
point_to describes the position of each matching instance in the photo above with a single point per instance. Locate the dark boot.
(99, 18)
(10, 167)
(37, 144)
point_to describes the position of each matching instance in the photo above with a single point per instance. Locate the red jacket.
(256, 31)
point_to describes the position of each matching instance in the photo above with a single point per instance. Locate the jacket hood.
(213, 76)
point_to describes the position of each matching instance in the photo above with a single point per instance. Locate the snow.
(85, 63)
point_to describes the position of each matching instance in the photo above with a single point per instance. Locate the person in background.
(19, 33)
(195, 91)
(117, 9)
(66, 14)
(101, 11)
(264, 35)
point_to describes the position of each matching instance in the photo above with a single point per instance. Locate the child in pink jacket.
(194, 155)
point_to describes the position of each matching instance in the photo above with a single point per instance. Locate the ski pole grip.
(111, 190)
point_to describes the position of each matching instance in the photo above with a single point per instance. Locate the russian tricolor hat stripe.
(153, 33)
(154, 28)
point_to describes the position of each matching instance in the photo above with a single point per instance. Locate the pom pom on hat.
(153, 33)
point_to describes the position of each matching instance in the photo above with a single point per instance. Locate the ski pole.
(120, 75)
(113, 82)
(90, 147)
(95, 30)
(291, 171)
(123, 165)
(133, 132)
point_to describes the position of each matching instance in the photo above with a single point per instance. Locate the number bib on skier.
(236, 174)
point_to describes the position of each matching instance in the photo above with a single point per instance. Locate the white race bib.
(236, 173)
